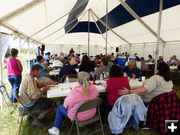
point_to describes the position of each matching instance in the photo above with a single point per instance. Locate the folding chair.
(25, 111)
(72, 77)
(94, 103)
(6, 97)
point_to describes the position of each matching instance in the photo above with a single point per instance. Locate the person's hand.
(133, 76)
(125, 74)
(47, 87)
(54, 83)
(123, 92)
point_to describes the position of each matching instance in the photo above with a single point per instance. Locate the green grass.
(9, 126)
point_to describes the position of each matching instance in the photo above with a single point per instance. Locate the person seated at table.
(85, 91)
(47, 58)
(42, 77)
(161, 59)
(67, 69)
(156, 85)
(86, 64)
(115, 82)
(110, 61)
(95, 63)
(31, 96)
(57, 63)
(151, 59)
(143, 62)
(103, 68)
(178, 67)
(131, 70)
(173, 61)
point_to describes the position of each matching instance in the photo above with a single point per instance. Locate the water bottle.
(101, 77)
(67, 79)
(140, 79)
(104, 73)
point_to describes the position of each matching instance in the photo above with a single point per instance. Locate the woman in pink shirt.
(85, 91)
(14, 70)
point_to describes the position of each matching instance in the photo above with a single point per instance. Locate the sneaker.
(146, 128)
(21, 111)
(41, 116)
(53, 131)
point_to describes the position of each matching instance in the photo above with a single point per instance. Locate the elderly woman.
(85, 91)
(156, 85)
(132, 70)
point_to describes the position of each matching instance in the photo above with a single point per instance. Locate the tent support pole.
(106, 25)
(88, 30)
(158, 35)
(20, 49)
(28, 54)
(144, 46)
(1, 77)
(130, 48)
(163, 48)
(126, 6)
(110, 28)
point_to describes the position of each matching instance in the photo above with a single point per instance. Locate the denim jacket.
(128, 109)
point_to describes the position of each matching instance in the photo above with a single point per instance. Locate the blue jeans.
(15, 81)
(60, 114)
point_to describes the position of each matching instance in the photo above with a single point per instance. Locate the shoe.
(53, 131)
(37, 123)
(146, 128)
(21, 111)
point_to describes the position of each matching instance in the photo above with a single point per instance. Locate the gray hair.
(82, 76)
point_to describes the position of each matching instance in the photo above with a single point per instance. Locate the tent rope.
(110, 28)
(99, 29)
(61, 28)
(66, 31)
(58, 19)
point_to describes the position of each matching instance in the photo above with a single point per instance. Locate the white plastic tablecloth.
(63, 89)
(54, 72)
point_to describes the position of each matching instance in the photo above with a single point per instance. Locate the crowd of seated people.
(117, 84)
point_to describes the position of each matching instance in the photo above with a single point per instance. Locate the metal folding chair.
(25, 111)
(90, 104)
(6, 98)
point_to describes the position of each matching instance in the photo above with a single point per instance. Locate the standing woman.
(14, 71)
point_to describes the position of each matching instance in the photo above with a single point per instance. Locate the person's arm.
(149, 86)
(20, 66)
(70, 100)
(139, 91)
(44, 89)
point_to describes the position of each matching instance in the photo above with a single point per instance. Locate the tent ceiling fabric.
(48, 11)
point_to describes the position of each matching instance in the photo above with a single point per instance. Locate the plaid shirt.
(163, 107)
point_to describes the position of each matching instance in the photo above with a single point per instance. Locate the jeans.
(15, 81)
(60, 114)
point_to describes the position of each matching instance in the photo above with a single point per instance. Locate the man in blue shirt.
(131, 70)
(42, 77)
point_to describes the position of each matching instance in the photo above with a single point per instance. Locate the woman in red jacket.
(115, 83)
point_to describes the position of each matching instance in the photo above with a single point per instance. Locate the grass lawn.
(9, 126)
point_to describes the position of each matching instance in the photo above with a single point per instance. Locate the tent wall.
(143, 50)
(94, 50)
